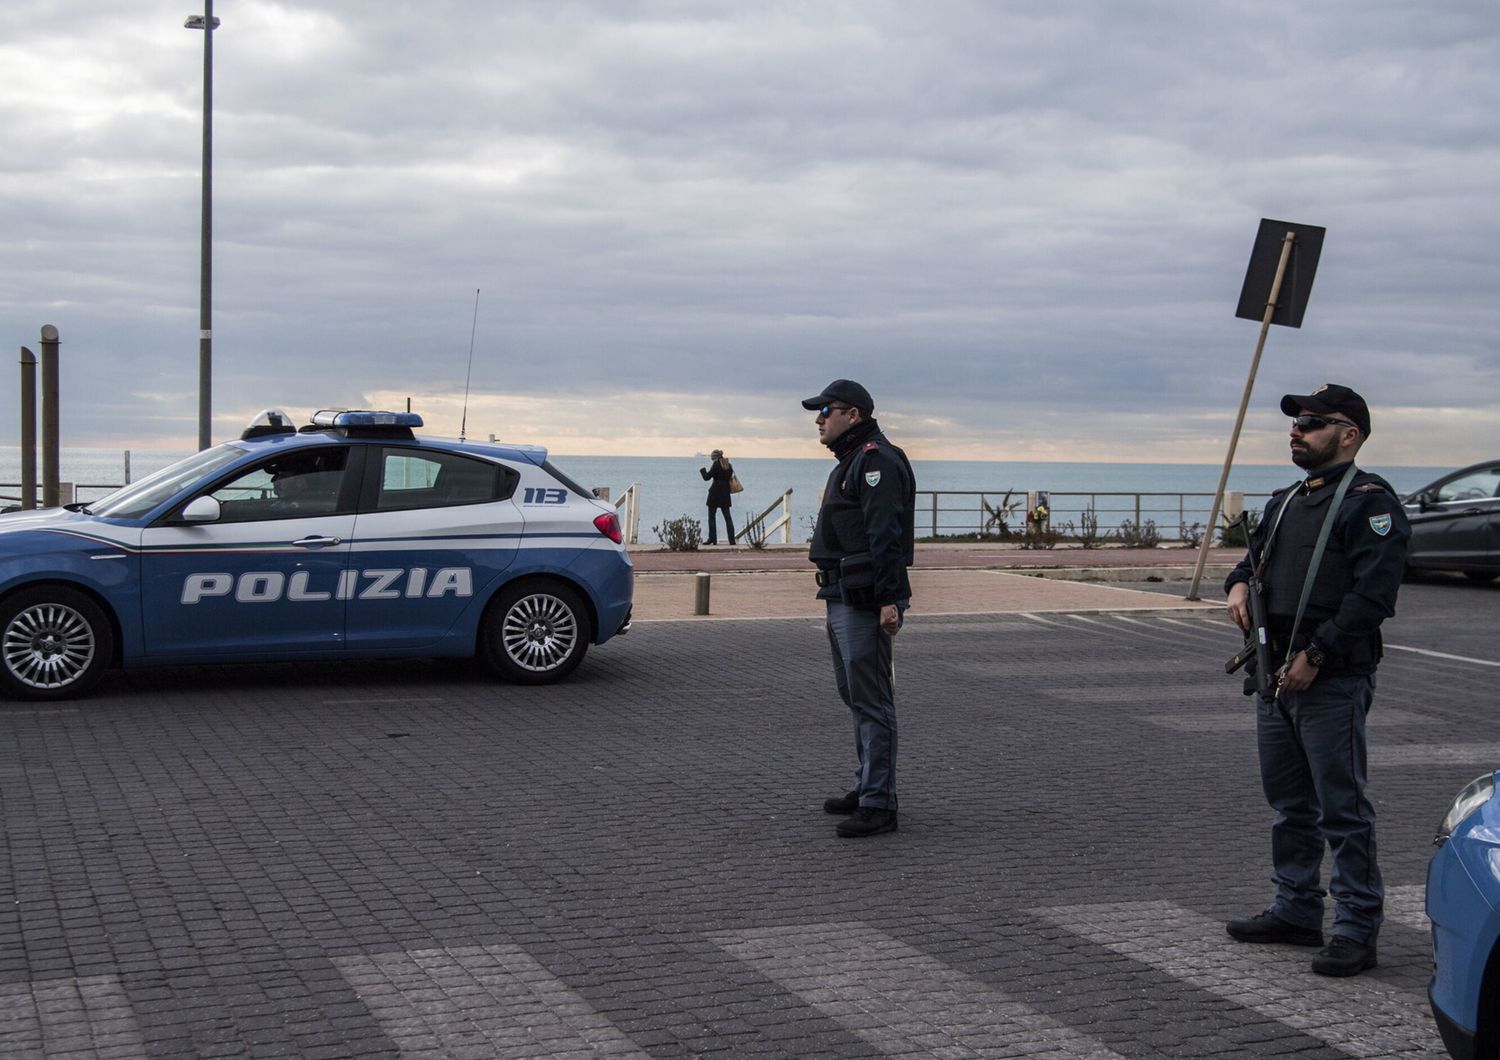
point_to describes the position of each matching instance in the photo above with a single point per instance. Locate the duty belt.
(827, 577)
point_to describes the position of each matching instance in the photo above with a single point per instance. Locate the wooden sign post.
(1282, 250)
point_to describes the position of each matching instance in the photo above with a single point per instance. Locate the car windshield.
(1477, 485)
(139, 498)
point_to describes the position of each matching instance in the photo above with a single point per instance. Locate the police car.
(350, 537)
(1463, 903)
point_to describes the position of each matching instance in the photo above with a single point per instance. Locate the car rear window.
(551, 469)
(424, 478)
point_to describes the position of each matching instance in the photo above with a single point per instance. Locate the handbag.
(734, 484)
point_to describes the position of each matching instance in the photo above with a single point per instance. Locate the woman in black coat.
(717, 475)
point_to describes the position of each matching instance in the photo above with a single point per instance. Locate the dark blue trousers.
(862, 670)
(713, 524)
(1313, 770)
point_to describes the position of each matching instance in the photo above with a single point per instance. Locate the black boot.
(1268, 927)
(846, 803)
(1343, 957)
(867, 821)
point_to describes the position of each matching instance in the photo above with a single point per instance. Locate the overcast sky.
(1024, 227)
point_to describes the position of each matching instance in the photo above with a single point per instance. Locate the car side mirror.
(1424, 501)
(201, 510)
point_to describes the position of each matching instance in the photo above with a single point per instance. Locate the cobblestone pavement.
(404, 859)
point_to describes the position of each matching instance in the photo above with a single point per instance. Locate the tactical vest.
(840, 529)
(1292, 547)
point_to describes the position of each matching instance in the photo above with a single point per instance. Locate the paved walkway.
(946, 580)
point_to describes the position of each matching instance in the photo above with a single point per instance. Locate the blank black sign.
(1296, 284)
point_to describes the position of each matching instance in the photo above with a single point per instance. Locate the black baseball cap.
(1331, 399)
(846, 391)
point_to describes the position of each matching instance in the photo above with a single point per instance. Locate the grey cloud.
(668, 195)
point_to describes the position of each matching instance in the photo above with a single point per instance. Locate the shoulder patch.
(1381, 524)
(1370, 487)
(872, 478)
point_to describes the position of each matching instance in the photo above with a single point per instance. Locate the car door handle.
(316, 542)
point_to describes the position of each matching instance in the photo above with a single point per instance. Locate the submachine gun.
(1257, 641)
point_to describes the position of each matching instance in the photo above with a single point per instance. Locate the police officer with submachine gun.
(1320, 575)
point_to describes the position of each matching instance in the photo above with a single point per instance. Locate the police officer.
(1311, 724)
(862, 544)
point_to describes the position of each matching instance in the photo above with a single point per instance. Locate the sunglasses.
(1307, 423)
(828, 410)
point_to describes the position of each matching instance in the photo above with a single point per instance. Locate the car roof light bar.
(364, 418)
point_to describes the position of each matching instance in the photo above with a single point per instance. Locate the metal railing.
(1002, 513)
(629, 507)
(12, 495)
(939, 513)
(758, 529)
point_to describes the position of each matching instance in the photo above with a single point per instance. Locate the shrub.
(998, 517)
(1192, 536)
(1088, 529)
(753, 535)
(1232, 535)
(1040, 537)
(1139, 535)
(681, 534)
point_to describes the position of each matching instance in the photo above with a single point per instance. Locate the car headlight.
(1478, 792)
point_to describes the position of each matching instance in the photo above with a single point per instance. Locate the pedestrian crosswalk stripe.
(1486, 755)
(1364, 1016)
(898, 999)
(1407, 905)
(87, 1016)
(1106, 691)
(1244, 720)
(495, 1000)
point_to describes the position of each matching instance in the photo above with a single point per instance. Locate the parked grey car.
(1455, 523)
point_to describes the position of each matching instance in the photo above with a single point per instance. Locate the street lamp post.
(207, 23)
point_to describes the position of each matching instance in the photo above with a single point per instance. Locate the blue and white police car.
(1463, 903)
(350, 537)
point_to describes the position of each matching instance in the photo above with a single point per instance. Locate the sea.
(667, 488)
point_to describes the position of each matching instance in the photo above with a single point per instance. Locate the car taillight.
(609, 525)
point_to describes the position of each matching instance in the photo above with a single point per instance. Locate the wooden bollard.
(700, 598)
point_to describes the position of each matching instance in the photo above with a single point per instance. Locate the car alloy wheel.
(536, 632)
(539, 631)
(54, 643)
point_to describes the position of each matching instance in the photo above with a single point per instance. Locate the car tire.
(55, 643)
(535, 632)
(1482, 575)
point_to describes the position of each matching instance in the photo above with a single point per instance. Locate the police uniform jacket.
(1358, 577)
(869, 505)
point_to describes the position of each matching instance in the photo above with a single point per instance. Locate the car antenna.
(463, 425)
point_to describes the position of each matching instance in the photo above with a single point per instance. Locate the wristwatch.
(1315, 654)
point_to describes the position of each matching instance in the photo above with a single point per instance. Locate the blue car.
(1463, 903)
(350, 537)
